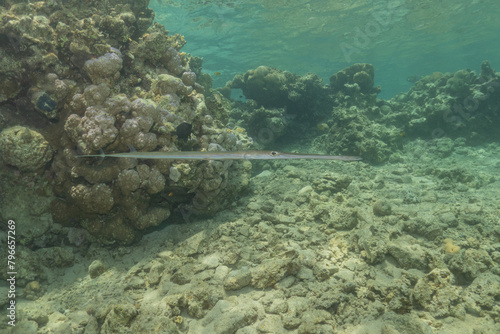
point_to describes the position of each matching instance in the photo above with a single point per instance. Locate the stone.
(96, 268)
(382, 208)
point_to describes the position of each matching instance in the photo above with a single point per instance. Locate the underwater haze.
(244, 167)
(403, 39)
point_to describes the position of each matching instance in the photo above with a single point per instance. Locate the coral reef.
(111, 122)
(461, 104)
(346, 117)
(109, 79)
(355, 83)
(274, 88)
(311, 247)
(265, 85)
(352, 132)
(351, 129)
(303, 97)
(282, 105)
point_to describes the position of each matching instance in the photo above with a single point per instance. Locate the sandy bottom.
(311, 247)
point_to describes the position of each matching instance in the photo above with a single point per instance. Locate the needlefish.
(223, 155)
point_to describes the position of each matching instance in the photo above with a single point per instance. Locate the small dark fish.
(183, 131)
(175, 195)
(217, 73)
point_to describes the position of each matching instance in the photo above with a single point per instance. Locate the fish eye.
(274, 153)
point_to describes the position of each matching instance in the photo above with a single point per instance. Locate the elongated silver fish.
(224, 155)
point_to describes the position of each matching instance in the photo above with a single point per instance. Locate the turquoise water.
(400, 38)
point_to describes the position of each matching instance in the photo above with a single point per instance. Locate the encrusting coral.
(450, 247)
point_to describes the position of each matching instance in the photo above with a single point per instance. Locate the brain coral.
(24, 148)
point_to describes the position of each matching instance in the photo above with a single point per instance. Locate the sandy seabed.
(310, 247)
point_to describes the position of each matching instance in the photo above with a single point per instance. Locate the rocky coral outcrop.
(24, 148)
(112, 122)
(283, 105)
(358, 78)
(44, 44)
(436, 290)
(110, 80)
(303, 96)
(451, 105)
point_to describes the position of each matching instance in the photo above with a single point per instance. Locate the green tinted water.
(400, 38)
